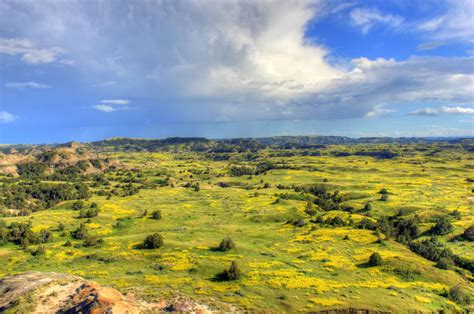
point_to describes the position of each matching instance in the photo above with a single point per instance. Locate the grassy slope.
(286, 268)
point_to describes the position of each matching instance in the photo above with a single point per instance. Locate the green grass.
(285, 268)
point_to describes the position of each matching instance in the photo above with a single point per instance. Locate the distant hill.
(204, 144)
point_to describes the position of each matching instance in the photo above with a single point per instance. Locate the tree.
(445, 263)
(89, 213)
(77, 205)
(384, 197)
(383, 191)
(80, 233)
(309, 209)
(156, 215)
(468, 234)
(456, 214)
(375, 259)
(368, 206)
(91, 241)
(226, 244)
(233, 273)
(443, 226)
(153, 241)
(458, 295)
(40, 250)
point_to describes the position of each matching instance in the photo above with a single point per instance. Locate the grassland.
(285, 268)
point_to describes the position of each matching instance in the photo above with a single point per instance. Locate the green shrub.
(89, 213)
(80, 233)
(77, 205)
(468, 234)
(40, 251)
(153, 241)
(226, 244)
(310, 210)
(443, 226)
(233, 273)
(156, 215)
(91, 241)
(458, 294)
(368, 206)
(445, 263)
(375, 259)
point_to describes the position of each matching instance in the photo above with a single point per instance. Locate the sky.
(89, 70)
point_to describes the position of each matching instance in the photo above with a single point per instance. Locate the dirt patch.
(62, 293)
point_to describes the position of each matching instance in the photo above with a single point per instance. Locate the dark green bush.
(445, 263)
(156, 214)
(375, 259)
(443, 226)
(153, 241)
(233, 273)
(80, 233)
(226, 244)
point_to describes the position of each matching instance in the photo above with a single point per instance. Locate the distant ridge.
(282, 142)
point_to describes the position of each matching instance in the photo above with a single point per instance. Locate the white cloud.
(443, 109)
(6, 117)
(26, 85)
(425, 112)
(366, 18)
(115, 101)
(111, 105)
(105, 108)
(30, 53)
(380, 111)
(430, 46)
(457, 110)
(232, 60)
(457, 23)
(107, 83)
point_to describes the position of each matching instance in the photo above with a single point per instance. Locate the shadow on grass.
(364, 265)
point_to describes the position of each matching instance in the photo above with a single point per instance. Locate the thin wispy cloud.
(455, 24)
(115, 101)
(367, 18)
(445, 109)
(26, 85)
(430, 46)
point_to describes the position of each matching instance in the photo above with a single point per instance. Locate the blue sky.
(88, 70)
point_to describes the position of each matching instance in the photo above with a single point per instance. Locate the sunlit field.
(289, 259)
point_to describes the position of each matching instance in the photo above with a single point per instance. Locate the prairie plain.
(304, 223)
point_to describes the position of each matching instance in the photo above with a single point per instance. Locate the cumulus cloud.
(366, 18)
(444, 109)
(26, 85)
(6, 117)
